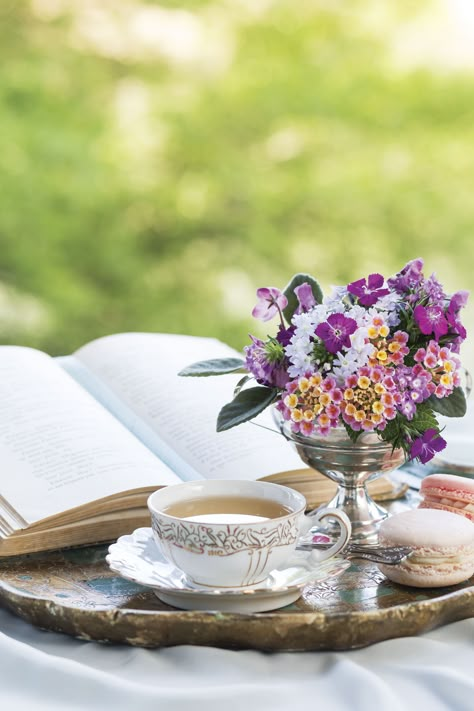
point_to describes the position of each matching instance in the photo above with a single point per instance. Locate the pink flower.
(306, 428)
(351, 381)
(401, 337)
(430, 361)
(376, 375)
(271, 301)
(305, 296)
(333, 411)
(328, 384)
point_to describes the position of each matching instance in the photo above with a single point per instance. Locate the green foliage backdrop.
(161, 160)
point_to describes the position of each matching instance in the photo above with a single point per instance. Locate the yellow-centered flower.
(291, 401)
(446, 380)
(377, 407)
(303, 385)
(363, 382)
(325, 399)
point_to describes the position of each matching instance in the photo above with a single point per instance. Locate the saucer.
(137, 558)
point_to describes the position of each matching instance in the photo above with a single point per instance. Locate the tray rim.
(214, 628)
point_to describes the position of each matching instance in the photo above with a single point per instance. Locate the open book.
(86, 438)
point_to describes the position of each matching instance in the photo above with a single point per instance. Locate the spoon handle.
(391, 555)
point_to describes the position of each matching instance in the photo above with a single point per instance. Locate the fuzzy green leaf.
(452, 406)
(423, 419)
(245, 406)
(216, 366)
(289, 292)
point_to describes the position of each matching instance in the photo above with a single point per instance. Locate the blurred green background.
(161, 160)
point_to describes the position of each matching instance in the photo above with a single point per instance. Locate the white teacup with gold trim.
(232, 533)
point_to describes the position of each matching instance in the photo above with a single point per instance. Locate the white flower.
(344, 364)
(304, 324)
(300, 364)
(334, 300)
(359, 339)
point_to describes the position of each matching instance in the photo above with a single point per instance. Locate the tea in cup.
(233, 533)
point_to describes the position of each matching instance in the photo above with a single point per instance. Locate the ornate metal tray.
(75, 592)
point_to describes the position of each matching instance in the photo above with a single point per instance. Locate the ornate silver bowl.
(351, 465)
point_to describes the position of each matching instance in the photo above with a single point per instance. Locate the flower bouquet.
(356, 379)
(377, 355)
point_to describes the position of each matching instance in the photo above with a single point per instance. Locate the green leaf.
(216, 366)
(452, 406)
(352, 434)
(423, 419)
(289, 292)
(245, 406)
(241, 384)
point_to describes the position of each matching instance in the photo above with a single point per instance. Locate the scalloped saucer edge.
(136, 557)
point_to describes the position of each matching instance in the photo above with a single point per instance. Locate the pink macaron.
(443, 548)
(448, 492)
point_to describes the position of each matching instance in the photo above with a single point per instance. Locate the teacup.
(234, 533)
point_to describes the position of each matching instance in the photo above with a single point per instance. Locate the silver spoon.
(389, 555)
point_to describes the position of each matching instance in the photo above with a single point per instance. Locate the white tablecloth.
(43, 671)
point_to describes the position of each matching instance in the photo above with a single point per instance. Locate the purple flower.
(270, 302)
(267, 363)
(304, 294)
(409, 278)
(285, 335)
(427, 446)
(336, 332)
(458, 300)
(434, 290)
(369, 290)
(430, 319)
(408, 408)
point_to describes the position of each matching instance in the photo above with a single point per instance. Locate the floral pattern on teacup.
(200, 538)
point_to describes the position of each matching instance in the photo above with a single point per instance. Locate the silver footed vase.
(351, 465)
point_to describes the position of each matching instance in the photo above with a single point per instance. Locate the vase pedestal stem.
(365, 515)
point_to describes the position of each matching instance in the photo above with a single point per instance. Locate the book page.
(59, 448)
(101, 392)
(142, 370)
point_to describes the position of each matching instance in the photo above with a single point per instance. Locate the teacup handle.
(344, 525)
